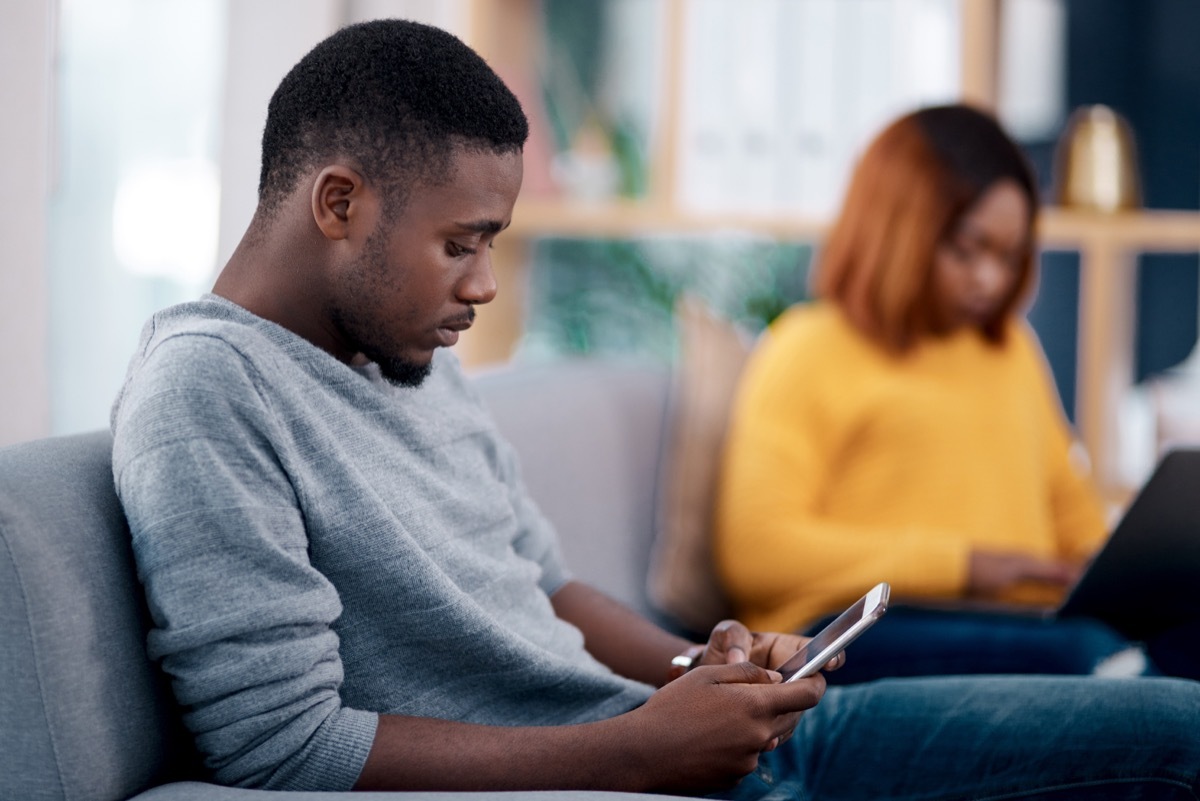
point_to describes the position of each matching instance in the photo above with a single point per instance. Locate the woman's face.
(976, 268)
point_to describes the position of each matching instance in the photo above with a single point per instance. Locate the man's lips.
(448, 331)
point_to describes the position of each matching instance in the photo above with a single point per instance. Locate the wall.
(260, 52)
(25, 50)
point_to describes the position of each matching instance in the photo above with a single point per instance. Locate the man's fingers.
(786, 726)
(730, 641)
(740, 673)
(786, 697)
(798, 695)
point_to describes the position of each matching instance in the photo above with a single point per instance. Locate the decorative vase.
(1096, 162)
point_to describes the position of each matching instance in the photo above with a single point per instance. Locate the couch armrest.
(198, 791)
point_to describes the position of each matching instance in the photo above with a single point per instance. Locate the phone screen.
(837, 635)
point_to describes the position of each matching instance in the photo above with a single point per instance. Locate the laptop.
(1146, 578)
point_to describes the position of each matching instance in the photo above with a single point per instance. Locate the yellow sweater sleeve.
(1075, 505)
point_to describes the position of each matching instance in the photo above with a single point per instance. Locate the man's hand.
(705, 730)
(731, 642)
(992, 573)
(701, 732)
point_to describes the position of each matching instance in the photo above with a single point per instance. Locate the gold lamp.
(1096, 162)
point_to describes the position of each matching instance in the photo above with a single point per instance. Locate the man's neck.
(273, 277)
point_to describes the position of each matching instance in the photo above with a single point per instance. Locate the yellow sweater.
(846, 466)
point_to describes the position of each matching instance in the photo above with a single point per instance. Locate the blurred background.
(678, 146)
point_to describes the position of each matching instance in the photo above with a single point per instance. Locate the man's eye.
(455, 250)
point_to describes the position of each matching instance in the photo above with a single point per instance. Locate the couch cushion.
(589, 434)
(86, 706)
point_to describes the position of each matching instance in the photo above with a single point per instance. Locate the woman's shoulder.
(811, 348)
(810, 357)
(816, 328)
(1022, 341)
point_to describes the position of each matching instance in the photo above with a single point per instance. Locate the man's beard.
(396, 370)
(400, 372)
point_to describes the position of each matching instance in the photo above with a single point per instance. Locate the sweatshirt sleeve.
(537, 540)
(781, 560)
(241, 621)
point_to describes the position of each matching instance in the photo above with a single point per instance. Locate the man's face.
(421, 274)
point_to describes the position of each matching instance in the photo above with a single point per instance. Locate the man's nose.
(478, 285)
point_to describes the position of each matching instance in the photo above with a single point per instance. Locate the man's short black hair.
(395, 96)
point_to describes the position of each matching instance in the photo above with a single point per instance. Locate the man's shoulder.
(207, 321)
(196, 343)
(191, 351)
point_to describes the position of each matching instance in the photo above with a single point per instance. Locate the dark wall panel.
(1141, 59)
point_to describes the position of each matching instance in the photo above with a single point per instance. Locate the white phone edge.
(876, 605)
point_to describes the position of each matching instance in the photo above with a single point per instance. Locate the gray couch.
(86, 717)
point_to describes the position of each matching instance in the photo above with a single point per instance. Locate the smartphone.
(832, 639)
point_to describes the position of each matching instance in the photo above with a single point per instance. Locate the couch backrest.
(590, 436)
(84, 713)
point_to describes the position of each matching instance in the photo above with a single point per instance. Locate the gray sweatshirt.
(318, 547)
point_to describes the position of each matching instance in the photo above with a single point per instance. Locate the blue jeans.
(911, 641)
(990, 737)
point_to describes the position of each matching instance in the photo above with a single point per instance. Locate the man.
(349, 585)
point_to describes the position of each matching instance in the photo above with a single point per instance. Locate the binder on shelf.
(781, 95)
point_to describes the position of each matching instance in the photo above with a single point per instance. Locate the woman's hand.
(992, 573)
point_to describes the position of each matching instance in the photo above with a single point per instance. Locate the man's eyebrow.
(482, 226)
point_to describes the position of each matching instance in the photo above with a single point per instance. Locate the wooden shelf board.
(620, 218)
(1150, 230)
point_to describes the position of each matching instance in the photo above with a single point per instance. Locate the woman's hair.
(907, 195)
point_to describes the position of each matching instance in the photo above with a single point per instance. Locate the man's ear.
(341, 202)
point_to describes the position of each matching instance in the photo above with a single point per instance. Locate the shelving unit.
(1108, 246)
(506, 31)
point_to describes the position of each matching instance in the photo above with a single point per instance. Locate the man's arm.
(636, 648)
(701, 733)
(616, 635)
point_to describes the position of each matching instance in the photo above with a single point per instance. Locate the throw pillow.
(682, 579)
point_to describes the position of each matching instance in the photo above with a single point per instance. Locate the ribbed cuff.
(336, 754)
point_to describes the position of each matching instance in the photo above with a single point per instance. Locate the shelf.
(1145, 231)
(537, 217)
(1151, 231)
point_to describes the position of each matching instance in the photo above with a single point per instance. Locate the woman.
(905, 428)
